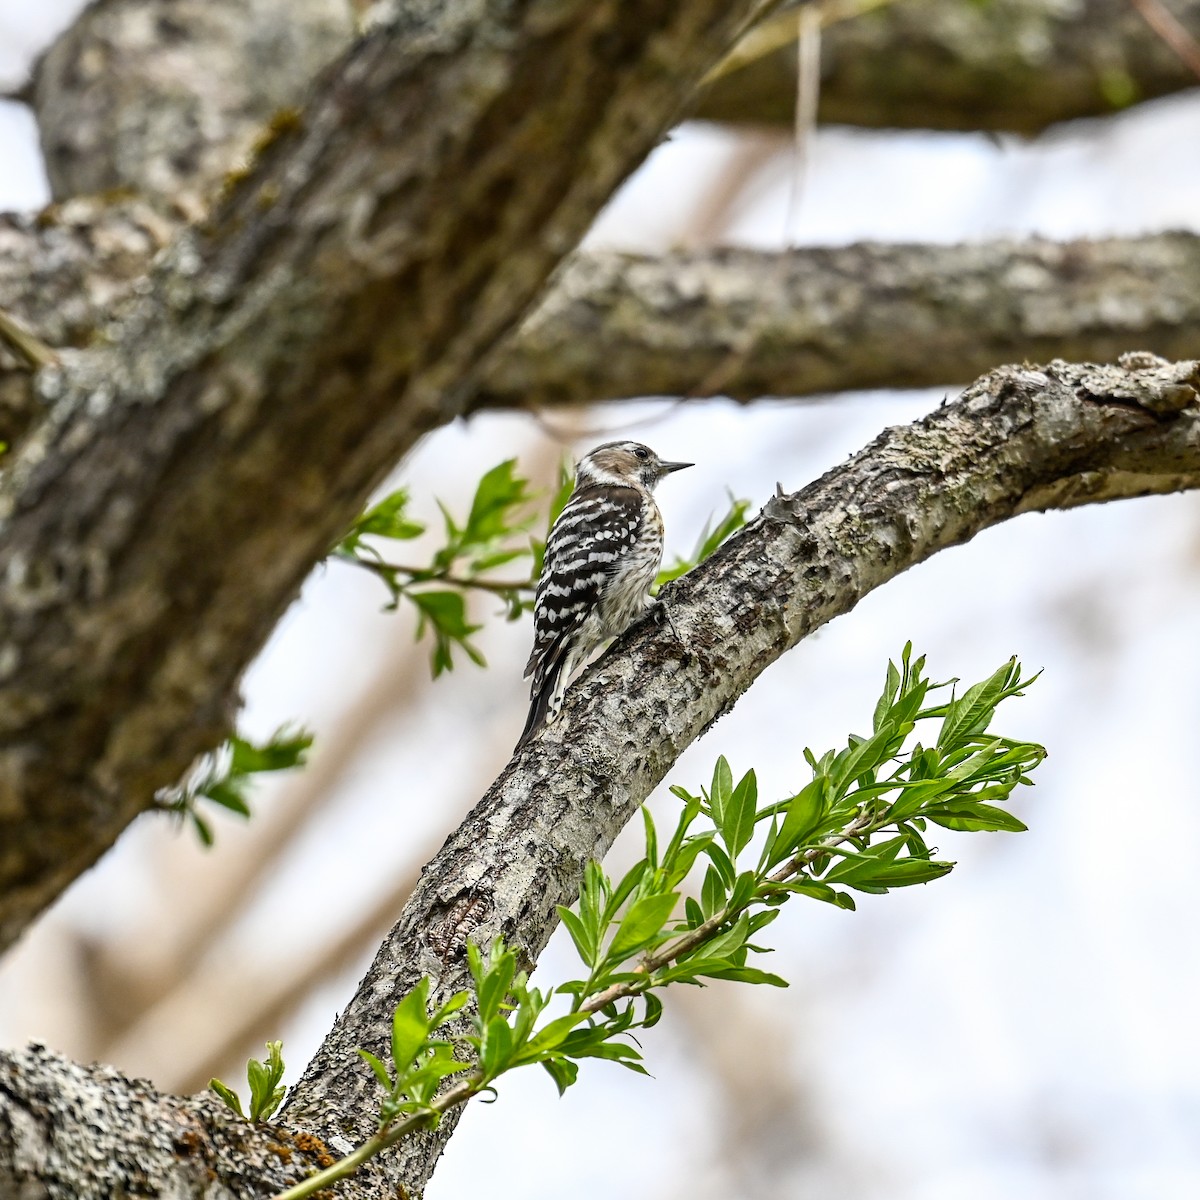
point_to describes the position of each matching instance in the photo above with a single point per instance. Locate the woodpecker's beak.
(666, 468)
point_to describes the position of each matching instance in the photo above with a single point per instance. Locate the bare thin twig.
(32, 351)
(1173, 34)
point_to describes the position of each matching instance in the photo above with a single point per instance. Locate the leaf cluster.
(226, 776)
(420, 1058)
(266, 1088)
(494, 534)
(859, 825)
(690, 910)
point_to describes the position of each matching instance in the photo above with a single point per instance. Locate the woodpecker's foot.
(658, 613)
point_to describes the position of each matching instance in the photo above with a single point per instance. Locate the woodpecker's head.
(624, 464)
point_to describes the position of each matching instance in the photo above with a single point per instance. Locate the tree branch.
(195, 469)
(164, 96)
(830, 320)
(818, 320)
(1018, 440)
(69, 1132)
(1008, 65)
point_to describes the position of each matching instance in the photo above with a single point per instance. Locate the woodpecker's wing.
(596, 529)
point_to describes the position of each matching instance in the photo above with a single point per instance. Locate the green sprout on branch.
(495, 534)
(225, 776)
(692, 910)
(266, 1090)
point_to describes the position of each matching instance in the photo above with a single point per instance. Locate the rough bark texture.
(748, 324)
(64, 273)
(1018, 440)
(280, 359)
(69, 1132)
(164, 95)
(1004, 65)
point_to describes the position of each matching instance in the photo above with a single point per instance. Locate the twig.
(1173, 35)
(422, 575)
(32, 351)
(460, 1093)
(780, 30)
(695, 937)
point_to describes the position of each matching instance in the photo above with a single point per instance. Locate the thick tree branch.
(64, 273)
(280, 359)
(165, 95)
(830, 320)
(1018, 440)
(69, 1132)
(1007, 65)
(613, 326)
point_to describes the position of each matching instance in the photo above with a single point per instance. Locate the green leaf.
(972, 817)
(386, 519)
(225, 776)
(863, 754)
(817, 890)
(804, 812)
(726, 945)
(721, 790)
(500, 491)
(495, 984)
(890, 688)
(748, 975)
(641, 925)
(380, 1072)
(445, 614)
(972, 714)
(651, 838)
(722, 862)
(265, 1090)
(737, 817)
(551, 1036)
(456, 1003)
(563, 1071)
(410, 1026)
(497, 1047)
(712, 894)
(286, 748)
(743, 890)
(585, 944)
(228, 1095)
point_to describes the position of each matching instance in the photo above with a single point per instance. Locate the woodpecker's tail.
(547, 702)
(538, 710)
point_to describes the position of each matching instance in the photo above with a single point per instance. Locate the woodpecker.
(601, 558)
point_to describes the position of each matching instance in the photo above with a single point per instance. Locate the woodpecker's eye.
(642, 453)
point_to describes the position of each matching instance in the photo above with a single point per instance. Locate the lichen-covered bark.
(1017, 440)
(278, 361)
(743, 323)
(69, 1132)
(1020, 439)
(165, 95)
(1004, 65)
(64, 273)
(821, 320)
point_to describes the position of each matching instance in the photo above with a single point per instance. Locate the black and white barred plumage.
(601, 558)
